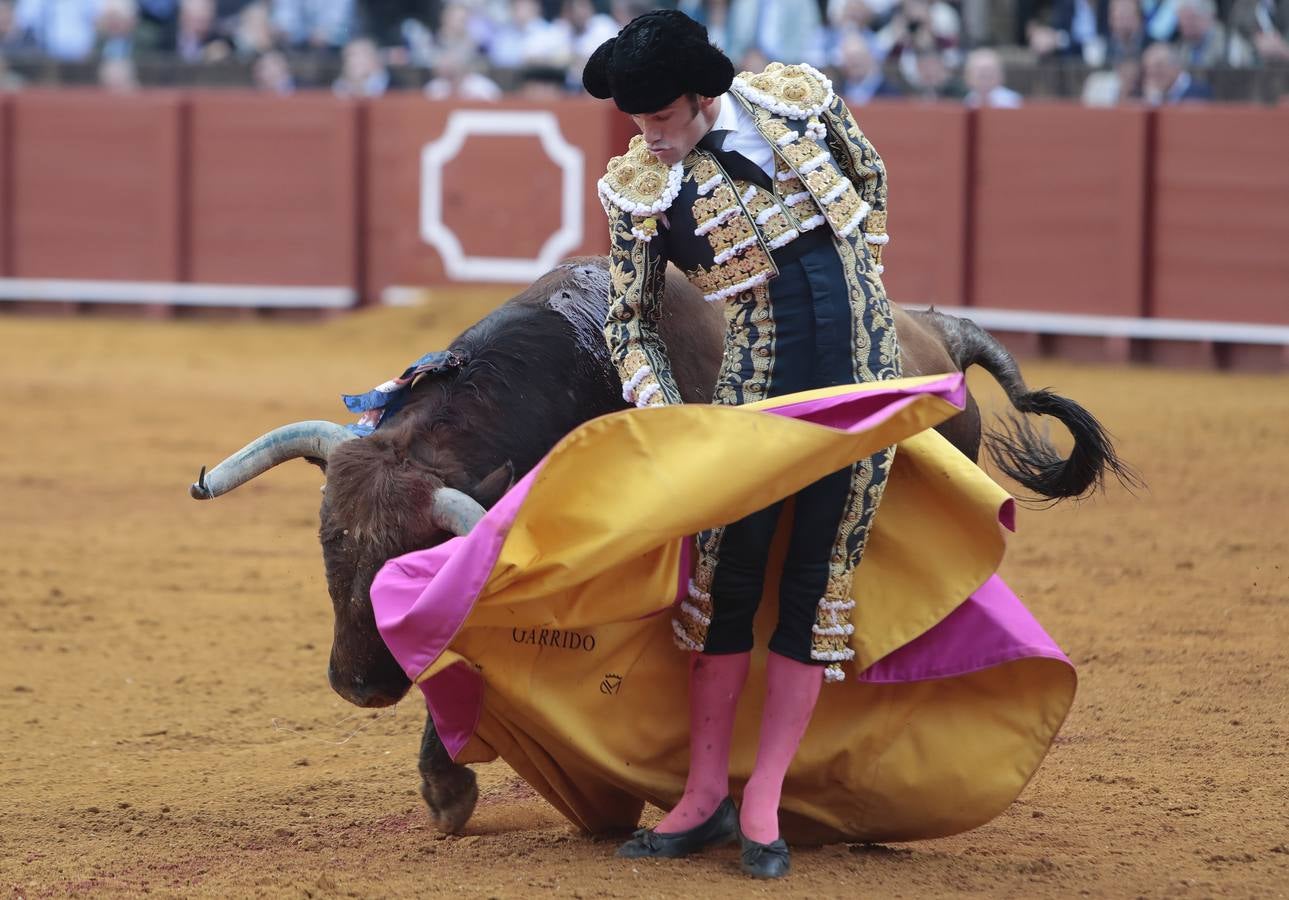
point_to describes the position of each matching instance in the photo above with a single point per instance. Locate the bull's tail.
(1016, 447)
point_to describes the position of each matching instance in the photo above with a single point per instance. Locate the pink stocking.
(714, 685)
(791, 689)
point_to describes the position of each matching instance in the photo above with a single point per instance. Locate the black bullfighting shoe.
(765, 860)
(720, 828)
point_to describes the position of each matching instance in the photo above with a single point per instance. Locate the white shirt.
(743, 138)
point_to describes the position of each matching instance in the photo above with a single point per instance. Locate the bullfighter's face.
(673, 131)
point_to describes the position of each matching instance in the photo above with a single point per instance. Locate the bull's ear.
(494, 485)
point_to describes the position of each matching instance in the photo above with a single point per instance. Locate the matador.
(762, 189)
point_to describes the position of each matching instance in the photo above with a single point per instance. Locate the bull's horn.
(454, 511)
(313, 440)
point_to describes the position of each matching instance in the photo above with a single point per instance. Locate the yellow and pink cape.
(544, 635)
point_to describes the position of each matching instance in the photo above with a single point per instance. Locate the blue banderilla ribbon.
(383, 402)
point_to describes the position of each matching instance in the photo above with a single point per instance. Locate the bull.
(531, 372)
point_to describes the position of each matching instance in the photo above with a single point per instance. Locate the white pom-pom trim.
(835, 191)
(739, 288)
(730, 252)
(719, 219)
(833, 655)
(697, 593)
(834, 630)
(695, 613)
(642, 399)
(786, 238)
(641, 235)
(854, 220)
(880, 269)
(675, 174)
(813, 222)
(786, 139)
(767, 214)
(836, 605)
(767, 101)
(834, 674)
(793, 199)
(812, 163)
(683, 640)
(629, 389)
(748, 194)
(878, 239)
(709, 185)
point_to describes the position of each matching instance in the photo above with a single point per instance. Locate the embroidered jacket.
(719, 230)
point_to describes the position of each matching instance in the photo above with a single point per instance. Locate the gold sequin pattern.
(753, 261)
(636, 282)
(709, 207)
(637, 175)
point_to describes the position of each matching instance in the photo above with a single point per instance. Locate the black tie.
(735, 164)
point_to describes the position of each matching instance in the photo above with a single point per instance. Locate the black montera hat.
(656, 58)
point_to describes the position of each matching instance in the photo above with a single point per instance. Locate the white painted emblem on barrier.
(463, 124)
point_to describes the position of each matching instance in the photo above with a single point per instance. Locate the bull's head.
(381, 499)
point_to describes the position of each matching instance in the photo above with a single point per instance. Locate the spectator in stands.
(933, 78)
(456, 77)
(11, 37)
(1164, 80)
(527, 40)
(459, 29)
(847, 18)
(9, 80)
(272, 73)
(252, 32)
(313, 24)
(861, 76)
(918, 25)
(542, 84)
(1075, 30)
(586, 30)
(784, 30)
(117, 75)
(752, 60)
(1127, 37)
(1264, 25)
(158, 20)
(984, 76)
(362, 71)
(1159, 18)
(1204, 41)
(716, 17)
(623, 11)
(1112, 86)
(65, 30)
(390, 22)
(196, 40)
(117, 21)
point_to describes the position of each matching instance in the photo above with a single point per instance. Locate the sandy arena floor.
(167, 725)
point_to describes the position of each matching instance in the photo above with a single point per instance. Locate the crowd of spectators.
(1152, 50)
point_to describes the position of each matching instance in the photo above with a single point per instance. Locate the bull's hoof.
(450, 797)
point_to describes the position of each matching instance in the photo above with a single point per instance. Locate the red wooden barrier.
(274, 190)
(1059, 212)
(456, 194)
(6, 208)
(925, 150)
(1221, 216)
(95, 182)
